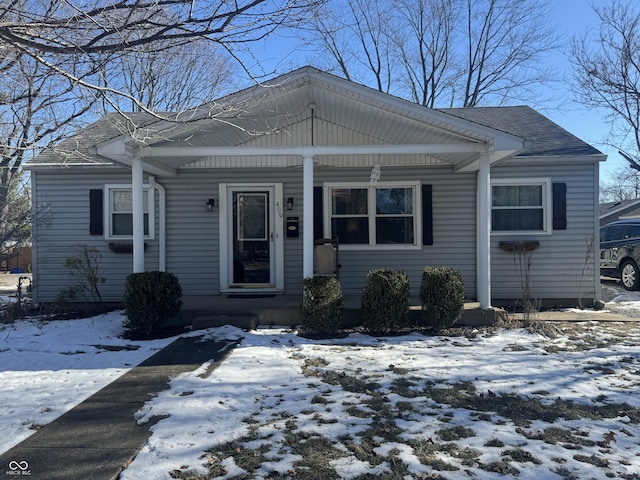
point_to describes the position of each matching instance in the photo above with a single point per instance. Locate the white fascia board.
(198, 152)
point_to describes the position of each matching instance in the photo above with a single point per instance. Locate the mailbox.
(293, 227)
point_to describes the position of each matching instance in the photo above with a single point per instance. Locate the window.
(384, 215)
(520, 206)
(119, 211)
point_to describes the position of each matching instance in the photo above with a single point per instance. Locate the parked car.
(620, 252)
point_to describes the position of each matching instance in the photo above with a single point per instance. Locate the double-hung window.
(119, 211)
(383, 215)
(521, 206)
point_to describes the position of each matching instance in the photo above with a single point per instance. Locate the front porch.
(250, 311)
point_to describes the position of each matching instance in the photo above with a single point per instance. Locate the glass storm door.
(252, 240)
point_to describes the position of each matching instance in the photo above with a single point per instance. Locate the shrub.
(442, 297)
(385, 300)
(84, 266)
(322, 305)
(150, 299)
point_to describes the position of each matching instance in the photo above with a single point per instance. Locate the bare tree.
(95, 31)
(355, 34)
(505, 41)
(622, 184)
(15, 222)
(440, 52)
(607, 73)
(37, 108)
(426, 46)
(62, 63)
(173, 80)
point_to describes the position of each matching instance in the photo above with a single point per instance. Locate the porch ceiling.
(312, 113)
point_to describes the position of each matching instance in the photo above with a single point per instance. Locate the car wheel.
(630, 275)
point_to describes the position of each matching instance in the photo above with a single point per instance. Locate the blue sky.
(574, 17)
(570, 17)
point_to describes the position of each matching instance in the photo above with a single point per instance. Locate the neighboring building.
(624, 210)
(233, 201)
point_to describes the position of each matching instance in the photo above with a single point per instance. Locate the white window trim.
(547, 204)
(417, 215)
(107, 211)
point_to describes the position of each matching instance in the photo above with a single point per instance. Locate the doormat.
(250, 295)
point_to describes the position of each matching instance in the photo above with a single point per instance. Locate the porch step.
(244, 321)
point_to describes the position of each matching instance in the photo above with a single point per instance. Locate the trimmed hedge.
(150, 299)
(385, 301)
(322, 305)
(442, 297)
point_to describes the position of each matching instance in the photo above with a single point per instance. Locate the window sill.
(359, 248)
(517, 233)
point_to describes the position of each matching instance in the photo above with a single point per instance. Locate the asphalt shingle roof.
(542, 136)
(78, 148)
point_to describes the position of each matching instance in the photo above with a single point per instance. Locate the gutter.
(162, 223)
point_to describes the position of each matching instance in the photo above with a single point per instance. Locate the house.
(232, 200)
(623, 210)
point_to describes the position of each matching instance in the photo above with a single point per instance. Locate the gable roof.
(283, 103)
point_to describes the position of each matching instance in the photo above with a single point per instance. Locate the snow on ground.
(47, 368)
(498, 397)
(621, 301)
(508, 402)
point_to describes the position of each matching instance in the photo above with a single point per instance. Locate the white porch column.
(307, 217)
(137, 193)
(483, 229)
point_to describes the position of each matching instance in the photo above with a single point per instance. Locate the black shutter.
(427, 215)
(318, 220)
(559, 206)
(95, 212)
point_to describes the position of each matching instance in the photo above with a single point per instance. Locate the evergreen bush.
(442, 297)
(150, 299)
(322, 305)
(385, 301)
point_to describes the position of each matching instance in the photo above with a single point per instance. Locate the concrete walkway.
(99, 437)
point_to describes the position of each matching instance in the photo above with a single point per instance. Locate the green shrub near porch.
(322, 305)
(150, 299)
(442, 297)
(385, 301)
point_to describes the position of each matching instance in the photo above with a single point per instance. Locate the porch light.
(290, 203)
(210, 204)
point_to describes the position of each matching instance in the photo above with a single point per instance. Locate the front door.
(253, 237)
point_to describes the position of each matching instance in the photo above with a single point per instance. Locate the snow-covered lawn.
(508, 402)
(281, 406)
(47, 368)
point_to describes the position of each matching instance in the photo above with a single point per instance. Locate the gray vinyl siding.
(62, 225)
(559, 262)
(454, 242)
(193, 233)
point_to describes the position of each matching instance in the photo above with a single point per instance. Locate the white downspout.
(597, 292)
(483, 227)
(137, 192)
(162, 223)
(307, 217)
